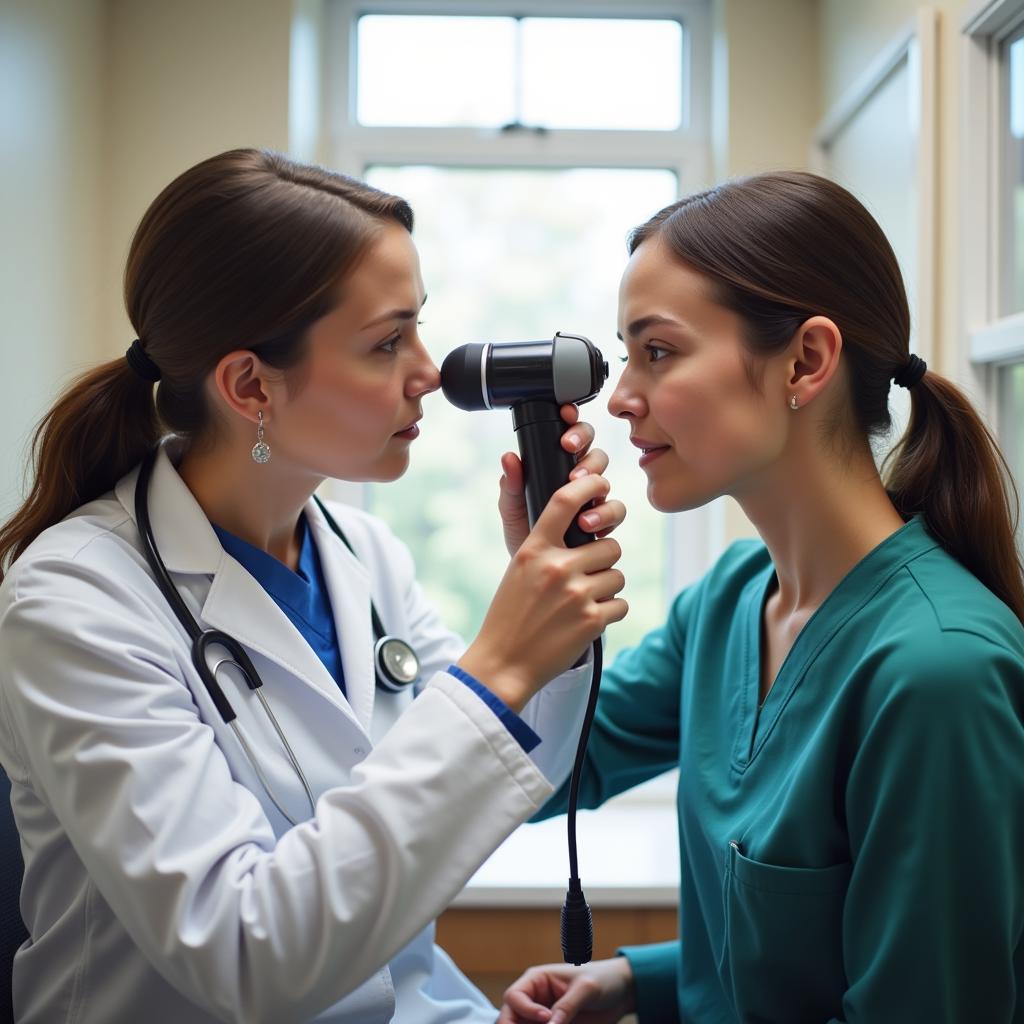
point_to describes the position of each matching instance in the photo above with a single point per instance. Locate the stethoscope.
(395, 662)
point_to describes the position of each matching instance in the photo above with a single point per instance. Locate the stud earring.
(260, 450)
(792, 405)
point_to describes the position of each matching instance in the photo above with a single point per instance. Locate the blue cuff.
(521, 732)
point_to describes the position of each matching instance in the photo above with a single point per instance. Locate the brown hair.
(244, 250)
(783, 247)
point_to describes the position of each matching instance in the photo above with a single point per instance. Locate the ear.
(814, 359)
(243, 383)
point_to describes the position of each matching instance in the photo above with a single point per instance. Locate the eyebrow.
(395, 314)
(641, 325)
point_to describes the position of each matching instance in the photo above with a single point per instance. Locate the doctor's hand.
(596, 993)
(578, 438)
(551, 603)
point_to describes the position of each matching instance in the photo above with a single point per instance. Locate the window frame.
(993, 340)
(693, 539)
(685, 150)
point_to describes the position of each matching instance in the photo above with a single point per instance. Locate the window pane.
(1013, 190)
(436, 70)
(510, 255)
(1011, 419)
(488, 71)
(602, 73)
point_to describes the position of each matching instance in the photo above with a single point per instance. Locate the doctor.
(263, 828)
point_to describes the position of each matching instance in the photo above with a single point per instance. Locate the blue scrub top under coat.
(301, 595)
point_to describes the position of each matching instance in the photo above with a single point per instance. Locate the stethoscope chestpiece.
(395, 663)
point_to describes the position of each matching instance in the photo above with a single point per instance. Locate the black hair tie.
(139, 360)
(911, 373)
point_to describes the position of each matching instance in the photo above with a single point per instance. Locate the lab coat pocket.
(782, 959)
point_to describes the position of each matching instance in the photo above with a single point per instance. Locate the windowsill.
(628, 856)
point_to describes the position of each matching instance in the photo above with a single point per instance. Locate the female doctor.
(262, 824)
(844, 698)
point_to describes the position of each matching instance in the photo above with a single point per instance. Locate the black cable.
(577, 924)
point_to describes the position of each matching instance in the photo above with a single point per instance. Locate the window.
(1012, 199)
(529, 141)
(528, 146)
(1010, 400)
(515, 254)
(994, 225)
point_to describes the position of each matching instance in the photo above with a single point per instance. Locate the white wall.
(51, 223)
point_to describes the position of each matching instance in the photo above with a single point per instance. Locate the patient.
(844, 698)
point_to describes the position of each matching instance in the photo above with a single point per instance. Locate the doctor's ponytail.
(242, 251)
(100, 427)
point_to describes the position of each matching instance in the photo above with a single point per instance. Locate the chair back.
(12, 928)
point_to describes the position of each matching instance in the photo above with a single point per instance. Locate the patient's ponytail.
(245, 250)
(948, 468)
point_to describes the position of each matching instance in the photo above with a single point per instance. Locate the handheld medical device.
(534, 379)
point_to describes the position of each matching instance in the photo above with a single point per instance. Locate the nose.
(625, 400)
(426, 377)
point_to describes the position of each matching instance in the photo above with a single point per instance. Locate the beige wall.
(767, 84)
(766, 102)
(187, 79)
(102, 102)
(51, 158)
(851, 34)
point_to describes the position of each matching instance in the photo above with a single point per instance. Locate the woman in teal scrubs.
(844, 698)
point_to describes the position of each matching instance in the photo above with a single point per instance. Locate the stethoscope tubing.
(202, 640)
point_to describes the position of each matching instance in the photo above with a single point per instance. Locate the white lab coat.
(161, 884)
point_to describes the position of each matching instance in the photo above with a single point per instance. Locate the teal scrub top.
(854, 849)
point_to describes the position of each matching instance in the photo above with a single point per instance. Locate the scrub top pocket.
(782, 958)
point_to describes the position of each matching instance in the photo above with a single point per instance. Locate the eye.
(389, 344)
(655, 353)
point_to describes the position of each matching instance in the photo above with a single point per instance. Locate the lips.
(649, 450)
(647, 446)
(410, 432)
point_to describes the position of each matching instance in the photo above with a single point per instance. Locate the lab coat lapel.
(235, 603)
(238, 604)
(348, 585)
(184, 537)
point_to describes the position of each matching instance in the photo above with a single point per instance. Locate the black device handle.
(546, 464)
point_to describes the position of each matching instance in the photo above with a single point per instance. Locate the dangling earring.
(792, 405)
(260, 450)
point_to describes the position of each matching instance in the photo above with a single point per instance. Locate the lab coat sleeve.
(555, 714)
(635, 733)
(934, 913)
(250, 928)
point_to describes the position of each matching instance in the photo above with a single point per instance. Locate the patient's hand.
(596, 993)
